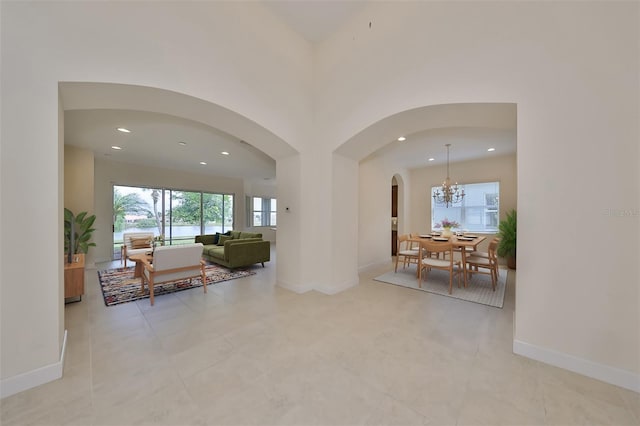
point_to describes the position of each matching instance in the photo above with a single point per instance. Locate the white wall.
(572, 70)
(344, 239)
(78, 185)
(233, 54)
(374, 207)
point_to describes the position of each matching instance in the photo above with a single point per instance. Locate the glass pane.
(228, 212)
(477, 212)
(133, 211)
(167, 216)
(491, 220)
(185, 216)
(273, 219)
(212, 212)
(257, 203)
(273, 205)
(257, 218)
(452, 214)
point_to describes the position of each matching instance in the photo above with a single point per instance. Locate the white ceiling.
(154, 141)
(315, 20)
(154, 136)
(467, 143)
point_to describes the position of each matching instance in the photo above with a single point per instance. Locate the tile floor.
(250, 352)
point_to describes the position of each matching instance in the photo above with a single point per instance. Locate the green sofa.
(235, 249)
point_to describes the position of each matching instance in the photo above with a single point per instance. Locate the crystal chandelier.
(450, 194)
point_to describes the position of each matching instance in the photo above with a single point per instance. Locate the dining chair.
(485, 265)
(485, 254)
(415, 244)
(405, 250)
(454, 267)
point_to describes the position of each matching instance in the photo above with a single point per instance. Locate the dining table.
(462, 242)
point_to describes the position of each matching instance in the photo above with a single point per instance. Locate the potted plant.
(77, 233)
(447, 224)
(508, 238)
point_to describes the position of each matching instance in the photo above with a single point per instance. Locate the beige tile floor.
(250, 352)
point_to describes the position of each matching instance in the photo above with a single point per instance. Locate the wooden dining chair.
(454, 267)
(485, 254)
(485, 265)
(406, 252)
(415, 244)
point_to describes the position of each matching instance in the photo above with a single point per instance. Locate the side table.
(74, 277)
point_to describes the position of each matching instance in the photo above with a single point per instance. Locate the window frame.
(267, 211)
(490, 214)
(166, 211)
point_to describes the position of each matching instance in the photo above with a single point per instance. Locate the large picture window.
(262, 211)
(478, 211)
(178, 215)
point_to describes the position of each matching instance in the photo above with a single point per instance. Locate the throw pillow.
(235, 234)
(138, 243)
(223, 238)
(216, 238)
(207, 239)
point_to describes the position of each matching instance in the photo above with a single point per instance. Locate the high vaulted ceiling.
(315, 20)
(155, 138)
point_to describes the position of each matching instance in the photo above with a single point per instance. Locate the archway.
(398, 219)
(82, 95)
(108, 96)
(380, 157)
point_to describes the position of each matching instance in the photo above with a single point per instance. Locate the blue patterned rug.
(119, 286)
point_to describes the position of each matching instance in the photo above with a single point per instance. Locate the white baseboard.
(31, 379)
(378, 263)
(331, 289)
(295, 288)
(615, 376)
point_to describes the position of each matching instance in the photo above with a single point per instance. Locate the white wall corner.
(375, 264)
(333, 288)
(615, 376)
(31, 379)
(296, 288)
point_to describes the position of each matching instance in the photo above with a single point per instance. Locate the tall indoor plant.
(77, 233)
(508, 238)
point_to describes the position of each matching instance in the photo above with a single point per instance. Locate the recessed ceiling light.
(182, 143)
(224, 153)
(117, 148)
(431, 159)
(123, 130)
(491, 149)
(203, 163)
(402, 138)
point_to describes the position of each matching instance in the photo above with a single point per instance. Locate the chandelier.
(450, 194)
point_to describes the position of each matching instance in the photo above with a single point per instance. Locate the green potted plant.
(77, 233)
(508, 238)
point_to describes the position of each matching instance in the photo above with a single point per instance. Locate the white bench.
(132, 244)
(173, 263)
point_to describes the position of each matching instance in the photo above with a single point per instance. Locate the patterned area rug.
(119, 286)
(478, 288)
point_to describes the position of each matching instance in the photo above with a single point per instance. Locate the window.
(178, 215)
(477, 212)
(263, 211)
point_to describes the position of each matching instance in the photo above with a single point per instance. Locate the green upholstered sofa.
(235, 249)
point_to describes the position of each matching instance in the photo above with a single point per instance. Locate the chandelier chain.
(451, 194)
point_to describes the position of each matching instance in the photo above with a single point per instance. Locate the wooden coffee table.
(139, 260)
